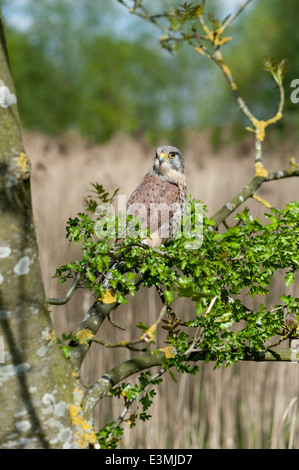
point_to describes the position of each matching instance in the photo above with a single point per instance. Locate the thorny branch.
(102, 387)
(198, 331)
(147, 336)
(129, 403)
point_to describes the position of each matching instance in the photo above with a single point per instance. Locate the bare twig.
(198, 331)
(288, 335)
(149, 248)
(144, 14)
(230, 19)
(63, 300)
(120, 344)
(129, 403)
(147, 336)
(237, 200)
(280, 174)
(248, 191)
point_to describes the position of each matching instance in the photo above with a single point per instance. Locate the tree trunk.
(36, 383)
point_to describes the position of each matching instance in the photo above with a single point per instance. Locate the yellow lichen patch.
(85, 435)
(293, 165)
(209, 33)
(23, 166)
(23, 162)
(199, 11)
(200, 50)
(169, 352)
(249, 129)
(261, 125)
(220, 41)
(260, 128)
(78, 394)
(148, 336)
(108, 298)
(84, 336)
(220, 30)
(276, 118)
(75, 414)
(51, 336)
(260, 170)
(75, 375)
(226, 69)
(262, 201)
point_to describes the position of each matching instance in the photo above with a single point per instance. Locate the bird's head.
(168, 158)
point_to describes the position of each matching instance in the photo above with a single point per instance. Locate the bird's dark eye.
(172, 154)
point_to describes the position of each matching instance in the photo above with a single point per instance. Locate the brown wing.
(154, 202)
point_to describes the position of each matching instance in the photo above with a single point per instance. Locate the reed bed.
(248, 405)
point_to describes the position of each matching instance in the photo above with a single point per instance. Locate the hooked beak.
(162, 158)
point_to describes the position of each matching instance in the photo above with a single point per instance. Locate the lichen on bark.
(36, 382)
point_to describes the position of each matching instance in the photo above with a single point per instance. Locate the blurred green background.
(92, 67)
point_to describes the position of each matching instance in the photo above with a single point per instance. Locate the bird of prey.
(160, 199)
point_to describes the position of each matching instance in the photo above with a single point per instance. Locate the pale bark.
(35, 382)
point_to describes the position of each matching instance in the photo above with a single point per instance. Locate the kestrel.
(160, 199)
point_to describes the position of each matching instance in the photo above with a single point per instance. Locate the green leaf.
(289, 279)
(192, 293)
